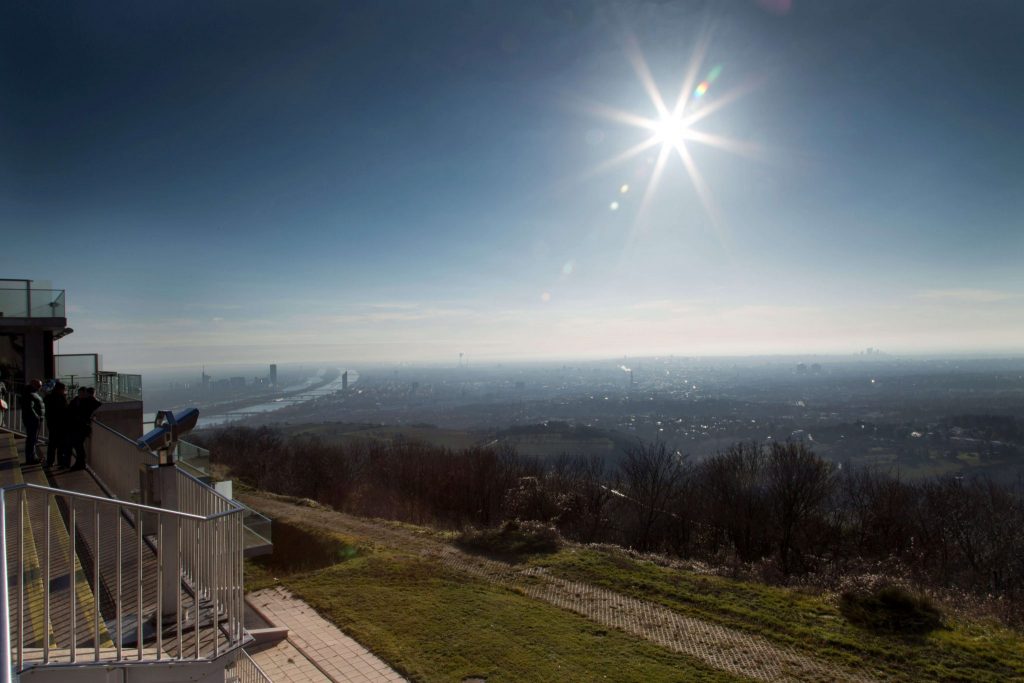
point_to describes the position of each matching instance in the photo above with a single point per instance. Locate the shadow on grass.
(513, 541)
(891, 610)
(297, 549)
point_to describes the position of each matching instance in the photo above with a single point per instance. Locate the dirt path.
(731, 650)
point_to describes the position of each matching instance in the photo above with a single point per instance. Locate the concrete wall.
(124, 417)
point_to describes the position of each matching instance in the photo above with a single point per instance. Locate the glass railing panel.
(68, 364)
(14, 302)
(111, 387)
(129, 386)
(24, 302)
(257, 523)
(47, 303)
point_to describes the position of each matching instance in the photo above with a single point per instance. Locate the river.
(292, 395)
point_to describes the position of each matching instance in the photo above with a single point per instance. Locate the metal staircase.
(102, 587)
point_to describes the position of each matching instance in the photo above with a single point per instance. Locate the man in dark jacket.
(33, 412)
(58, 421)
(81, 409)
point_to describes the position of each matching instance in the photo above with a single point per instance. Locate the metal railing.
(118, 462)
(120, 466)
(244, 670)
(195, 460)
(127, 551)
(111, 387)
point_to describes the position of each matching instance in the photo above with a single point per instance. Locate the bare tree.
(651, 474)
(799, 484)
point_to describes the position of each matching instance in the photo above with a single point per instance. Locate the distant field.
(553, 445)
(542, 445)
(337, 432)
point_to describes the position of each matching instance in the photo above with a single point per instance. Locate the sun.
(670, 131)
(674, 128)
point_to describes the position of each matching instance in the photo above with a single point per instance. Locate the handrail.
(100, 499)
(259, 525)
(194, 578)
(119, 472)
(246, 670)
(5, 616)
(193, 553)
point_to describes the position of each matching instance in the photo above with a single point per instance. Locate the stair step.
(62, 564)
(95, 553)
(36, 628)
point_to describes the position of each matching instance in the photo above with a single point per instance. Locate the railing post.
(5, 627)
(170, 580)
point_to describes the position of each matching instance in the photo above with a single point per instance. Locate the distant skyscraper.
(273, 374)
(344, 381)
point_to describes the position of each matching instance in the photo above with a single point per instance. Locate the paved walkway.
(284, 664)
(330, 655)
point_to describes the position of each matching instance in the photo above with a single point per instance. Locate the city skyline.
(404, 183)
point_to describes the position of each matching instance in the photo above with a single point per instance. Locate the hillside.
(436, 613)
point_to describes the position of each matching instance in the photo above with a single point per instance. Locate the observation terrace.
(130, 570)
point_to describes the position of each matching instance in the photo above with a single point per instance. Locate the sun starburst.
(673, 130)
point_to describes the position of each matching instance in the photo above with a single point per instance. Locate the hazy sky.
(301, 181)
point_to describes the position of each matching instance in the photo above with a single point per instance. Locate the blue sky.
(403, 181)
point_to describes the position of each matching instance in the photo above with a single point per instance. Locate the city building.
(273, 374)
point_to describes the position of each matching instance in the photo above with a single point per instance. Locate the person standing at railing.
(81, 409)
(33, 411)
(58, 420)
(5, 404)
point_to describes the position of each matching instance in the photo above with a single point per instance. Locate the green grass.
(434, 625)
(958, 652)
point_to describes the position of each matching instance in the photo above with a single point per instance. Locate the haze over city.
(401, 183)
(512, 340)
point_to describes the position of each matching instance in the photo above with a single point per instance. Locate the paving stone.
(318, 641)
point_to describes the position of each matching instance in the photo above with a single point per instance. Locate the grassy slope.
(406, 608)
(433, 625)
(964, 652)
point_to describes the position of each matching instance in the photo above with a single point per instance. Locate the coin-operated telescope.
(168, 427)
(158, 487)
